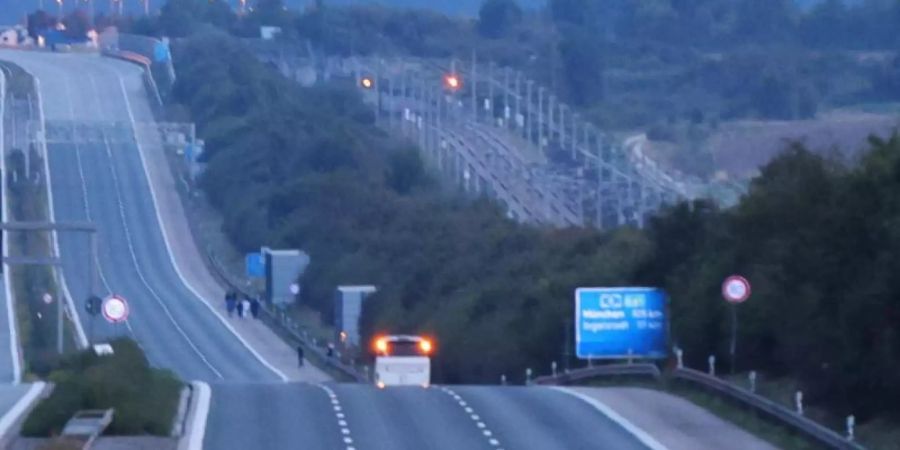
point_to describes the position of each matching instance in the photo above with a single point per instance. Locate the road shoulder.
(675, 422)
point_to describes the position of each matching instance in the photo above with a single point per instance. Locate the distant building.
(348, 301)
(269, 33)
(283, 269)
(14, 36)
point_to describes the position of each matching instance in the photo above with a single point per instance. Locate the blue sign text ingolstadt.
(620, 322)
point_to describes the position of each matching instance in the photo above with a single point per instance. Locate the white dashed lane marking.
(341, 420)
(493, 441)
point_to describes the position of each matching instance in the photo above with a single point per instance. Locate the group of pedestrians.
(242, 306)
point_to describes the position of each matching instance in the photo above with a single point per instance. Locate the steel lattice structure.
(500, 134)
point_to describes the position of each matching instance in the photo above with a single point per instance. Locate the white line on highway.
(169, 251)
(475, 418)
(86, 202)
(130, 242)
(342, 424)
(638, 433)
(79, 330)
(10, 311)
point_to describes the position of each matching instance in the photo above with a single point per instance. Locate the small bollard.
(503, 380)
(679, 354)
(528, 376)
(712, 365)
(798, 401)
(630, 356)
(366, 371)
(851, 424)
(553, 368)
(590, 361)
(752, 377)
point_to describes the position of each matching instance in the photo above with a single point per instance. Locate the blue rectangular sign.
(256, 265)
(620, 322)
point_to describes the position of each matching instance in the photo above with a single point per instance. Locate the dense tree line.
(305, 167)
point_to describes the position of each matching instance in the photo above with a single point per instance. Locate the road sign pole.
(735, 290)
(59, 325)
(734, 326)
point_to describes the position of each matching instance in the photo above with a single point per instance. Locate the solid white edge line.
(11, 416)
(165, 235)
(631, 428)
(14, 353)
(201, 414)
(79, 329)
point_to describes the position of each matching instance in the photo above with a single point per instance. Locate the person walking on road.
(240, 309)
(230, 302)
(300, 355)
(245, 306)
(254, 307)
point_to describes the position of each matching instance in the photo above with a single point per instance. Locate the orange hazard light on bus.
(381, 345)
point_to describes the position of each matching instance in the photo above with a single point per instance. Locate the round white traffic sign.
(48, 299)
(115, 309)
(736, 289)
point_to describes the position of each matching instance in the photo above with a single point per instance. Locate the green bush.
(145, 399)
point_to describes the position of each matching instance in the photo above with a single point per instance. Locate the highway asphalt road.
(413, 418)
(102, 180)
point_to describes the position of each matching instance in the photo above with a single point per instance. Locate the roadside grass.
(145, 399)
(877, 434)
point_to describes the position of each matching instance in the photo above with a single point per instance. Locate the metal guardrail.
(286, 328)
(814, 430)
(145, 63)
(641, 369)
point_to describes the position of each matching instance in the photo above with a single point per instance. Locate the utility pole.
(527, 110)
(473, 81)
(540, 119)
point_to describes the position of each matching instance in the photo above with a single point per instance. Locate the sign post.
(735, 290)
(92, 306)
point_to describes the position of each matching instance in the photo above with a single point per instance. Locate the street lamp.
(452, 82)
(367, 82)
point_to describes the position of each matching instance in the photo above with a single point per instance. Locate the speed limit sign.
(115, 309)
(736, 289)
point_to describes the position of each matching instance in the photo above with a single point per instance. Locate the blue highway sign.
(615, 323)
(256, 265)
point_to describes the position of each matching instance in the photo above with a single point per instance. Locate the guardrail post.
(679, 355)
(503, 380)
(752, 377)
(528, 376)
(798, 401)
(553, 368)
(712, 365)
(851, 424)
